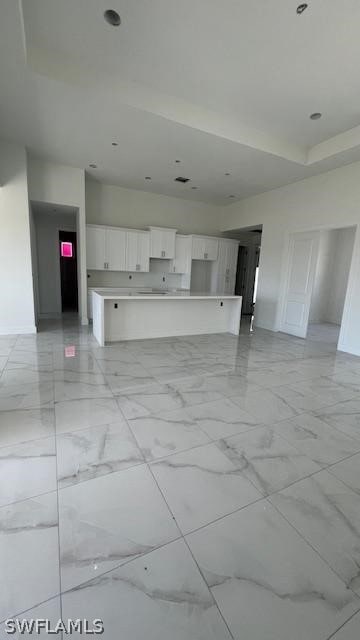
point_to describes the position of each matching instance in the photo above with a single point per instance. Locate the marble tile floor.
(198, 488)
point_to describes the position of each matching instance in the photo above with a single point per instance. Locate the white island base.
(136, 316)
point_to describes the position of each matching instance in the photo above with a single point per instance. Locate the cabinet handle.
(137, 267)
(206, 256)
(163, 254)
(227, 271)
(174, 268)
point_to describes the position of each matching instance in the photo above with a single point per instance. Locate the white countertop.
(148, 295)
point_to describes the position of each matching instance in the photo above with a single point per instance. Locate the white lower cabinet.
(137, 251)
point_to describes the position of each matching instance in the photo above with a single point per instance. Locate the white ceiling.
(223, 86)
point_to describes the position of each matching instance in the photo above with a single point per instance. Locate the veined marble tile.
(350, 630)
(24, 375)
(266, 406)
(326, 390)
(28, 554)
(202, 485)
(149, 400)
(82, 362)
(157, 597)
(72, 415)
(348, 471)
(268, 460)
(96, 387)
(49, 610)
(227, 384)
(316, 439)
(167, 433)
(27, 470)
(109, 520)
(25, 425)
(120, 354)
(269, 584)
(300, 400)
(190, 397)
(221, 418)
(344, 416)
(89, 453)
(34, 359)
(327, 514)
(26, 396)
(132, 375)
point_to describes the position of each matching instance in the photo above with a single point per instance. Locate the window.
(66, 249)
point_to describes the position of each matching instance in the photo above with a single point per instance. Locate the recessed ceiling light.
(231, 196)
(227, 174)
(177, 161)
(315, 116)
(194, 187)
(114, 144)
(301, 8)
(147, 177)
(93, 165)
(112, 17)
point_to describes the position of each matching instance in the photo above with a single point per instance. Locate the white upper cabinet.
(115, 249)
(95, 248)
(204, 248)
(182, 260)
(162, 243)
(137, 251)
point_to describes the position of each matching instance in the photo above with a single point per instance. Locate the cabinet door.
(115, 249)
(211, 247)
(132, 251)
(232, 257)
(137, 251)
(182, 261)
(143, 252)
(95, 248)
(162, 243)
(198, 248)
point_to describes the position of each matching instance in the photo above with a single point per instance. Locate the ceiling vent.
(183, 180)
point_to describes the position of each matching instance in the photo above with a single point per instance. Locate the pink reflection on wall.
(66, 250)
(70, 352)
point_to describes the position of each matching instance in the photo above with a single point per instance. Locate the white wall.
(47, 228)
(16, 286)
(107, 204)
(329, 200)
(58, 184)
(323, 277)
(340, 274)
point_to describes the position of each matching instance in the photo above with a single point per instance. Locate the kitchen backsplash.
(154, 278)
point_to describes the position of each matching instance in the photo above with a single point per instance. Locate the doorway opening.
(247, 274)
(317, 277)
(68, 271)
(55, 264)
(330, 284)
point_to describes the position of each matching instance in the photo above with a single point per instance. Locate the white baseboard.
(10, 331)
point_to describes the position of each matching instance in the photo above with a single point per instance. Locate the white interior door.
(303, 255)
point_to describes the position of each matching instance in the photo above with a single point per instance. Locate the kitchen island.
(157, 314)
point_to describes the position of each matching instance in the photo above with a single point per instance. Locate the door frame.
(286, 263)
